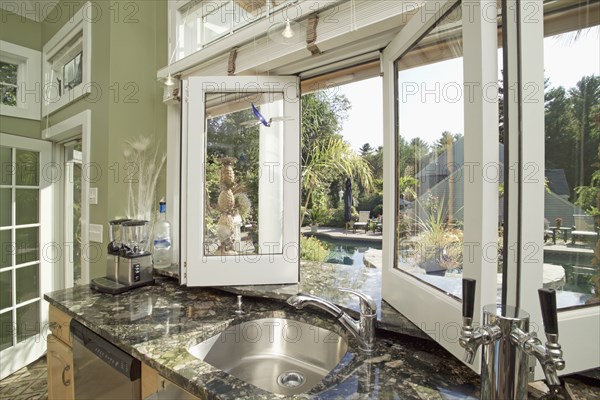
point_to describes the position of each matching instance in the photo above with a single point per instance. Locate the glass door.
(241, 181)
(74, 273)
(25, 230)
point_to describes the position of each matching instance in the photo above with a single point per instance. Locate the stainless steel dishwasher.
(102, 370)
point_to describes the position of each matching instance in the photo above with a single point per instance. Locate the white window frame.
(578, 328)
(178, 13)
(28, 80)
(437, 314)
(76, 32)
(201, 270)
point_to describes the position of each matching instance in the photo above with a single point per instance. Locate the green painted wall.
(27, 33)
(129, 44)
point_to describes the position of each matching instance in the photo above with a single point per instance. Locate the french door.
(25, 237)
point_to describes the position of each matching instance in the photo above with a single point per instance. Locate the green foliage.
(8, 78)
(318, 215)
(312, 249)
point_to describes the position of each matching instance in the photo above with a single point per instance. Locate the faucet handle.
(468, 290)
(549, 315)
(367, 304)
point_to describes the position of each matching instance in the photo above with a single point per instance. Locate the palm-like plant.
(333, 157)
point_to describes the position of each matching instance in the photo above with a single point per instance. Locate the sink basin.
(279, 355)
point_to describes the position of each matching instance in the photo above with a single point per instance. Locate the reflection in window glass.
(6, 330)
(244, 185)
(6, 169)
(27, 245)
(572, 170)
(5, 207)
(28, 321)
(6, 249)
(27, 283)
(26, 206)
(5, 289)
(27, 168)
(430, 158)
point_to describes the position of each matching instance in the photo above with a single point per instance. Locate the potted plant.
(438, 245)
(317, 215)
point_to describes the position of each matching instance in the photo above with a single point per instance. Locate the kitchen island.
(157, 324)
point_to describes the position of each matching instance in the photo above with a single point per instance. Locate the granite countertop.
(323, 280)
(157, 324)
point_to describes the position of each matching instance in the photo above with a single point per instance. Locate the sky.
(442, 109)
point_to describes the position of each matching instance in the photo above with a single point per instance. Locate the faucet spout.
(363, 329)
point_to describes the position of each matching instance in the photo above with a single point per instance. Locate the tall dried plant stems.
(144, 164)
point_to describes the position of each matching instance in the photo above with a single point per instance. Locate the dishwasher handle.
(106, 351)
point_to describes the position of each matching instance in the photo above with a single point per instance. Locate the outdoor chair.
(363, 221)
(584, 228)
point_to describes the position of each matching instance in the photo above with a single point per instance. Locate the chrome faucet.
(363, 329)
(508, 344)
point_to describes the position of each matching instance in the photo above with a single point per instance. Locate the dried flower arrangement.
(147, 164)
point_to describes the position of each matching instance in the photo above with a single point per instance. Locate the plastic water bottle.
(163, 250)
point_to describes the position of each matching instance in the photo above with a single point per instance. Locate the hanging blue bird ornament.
(262, 120)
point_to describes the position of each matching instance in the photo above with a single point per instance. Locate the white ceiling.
(36, 10)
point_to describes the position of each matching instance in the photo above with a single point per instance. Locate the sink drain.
(290, 379)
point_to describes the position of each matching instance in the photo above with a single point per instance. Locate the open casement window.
(552, 140)
(240, 181)
(443, 66)
(441, 214)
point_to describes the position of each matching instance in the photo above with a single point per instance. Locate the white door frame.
(433, 311)
(29, 350)
(78, 125)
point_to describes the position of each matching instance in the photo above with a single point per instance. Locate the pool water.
(347, 252)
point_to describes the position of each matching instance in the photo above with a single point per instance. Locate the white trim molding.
(28, 80)
(79, 124)
(74, 37)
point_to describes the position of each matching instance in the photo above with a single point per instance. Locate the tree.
(329, 158)
(366, 149)
(322, 118)
(584, 98)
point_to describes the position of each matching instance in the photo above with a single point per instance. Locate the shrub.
(312, 249)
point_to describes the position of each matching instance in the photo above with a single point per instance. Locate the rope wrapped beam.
(311, 35)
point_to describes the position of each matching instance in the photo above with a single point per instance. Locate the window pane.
(8, 73)
(8, 95)
(5, 207)
(244, 185)
(6, 249)
(27, 245)
(6, 330)
(28, 321)
(27, 207)
(216, 22)
(6, 170)
(5, 289)
(27, 284)
(430, 158)
(27, 165)
(77, 221)
(572, 170)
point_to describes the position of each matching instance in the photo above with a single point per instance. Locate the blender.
(128, 261)
(135, 259)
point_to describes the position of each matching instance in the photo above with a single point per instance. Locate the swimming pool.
(347, 252)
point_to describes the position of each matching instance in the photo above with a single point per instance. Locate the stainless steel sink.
(278, 355)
